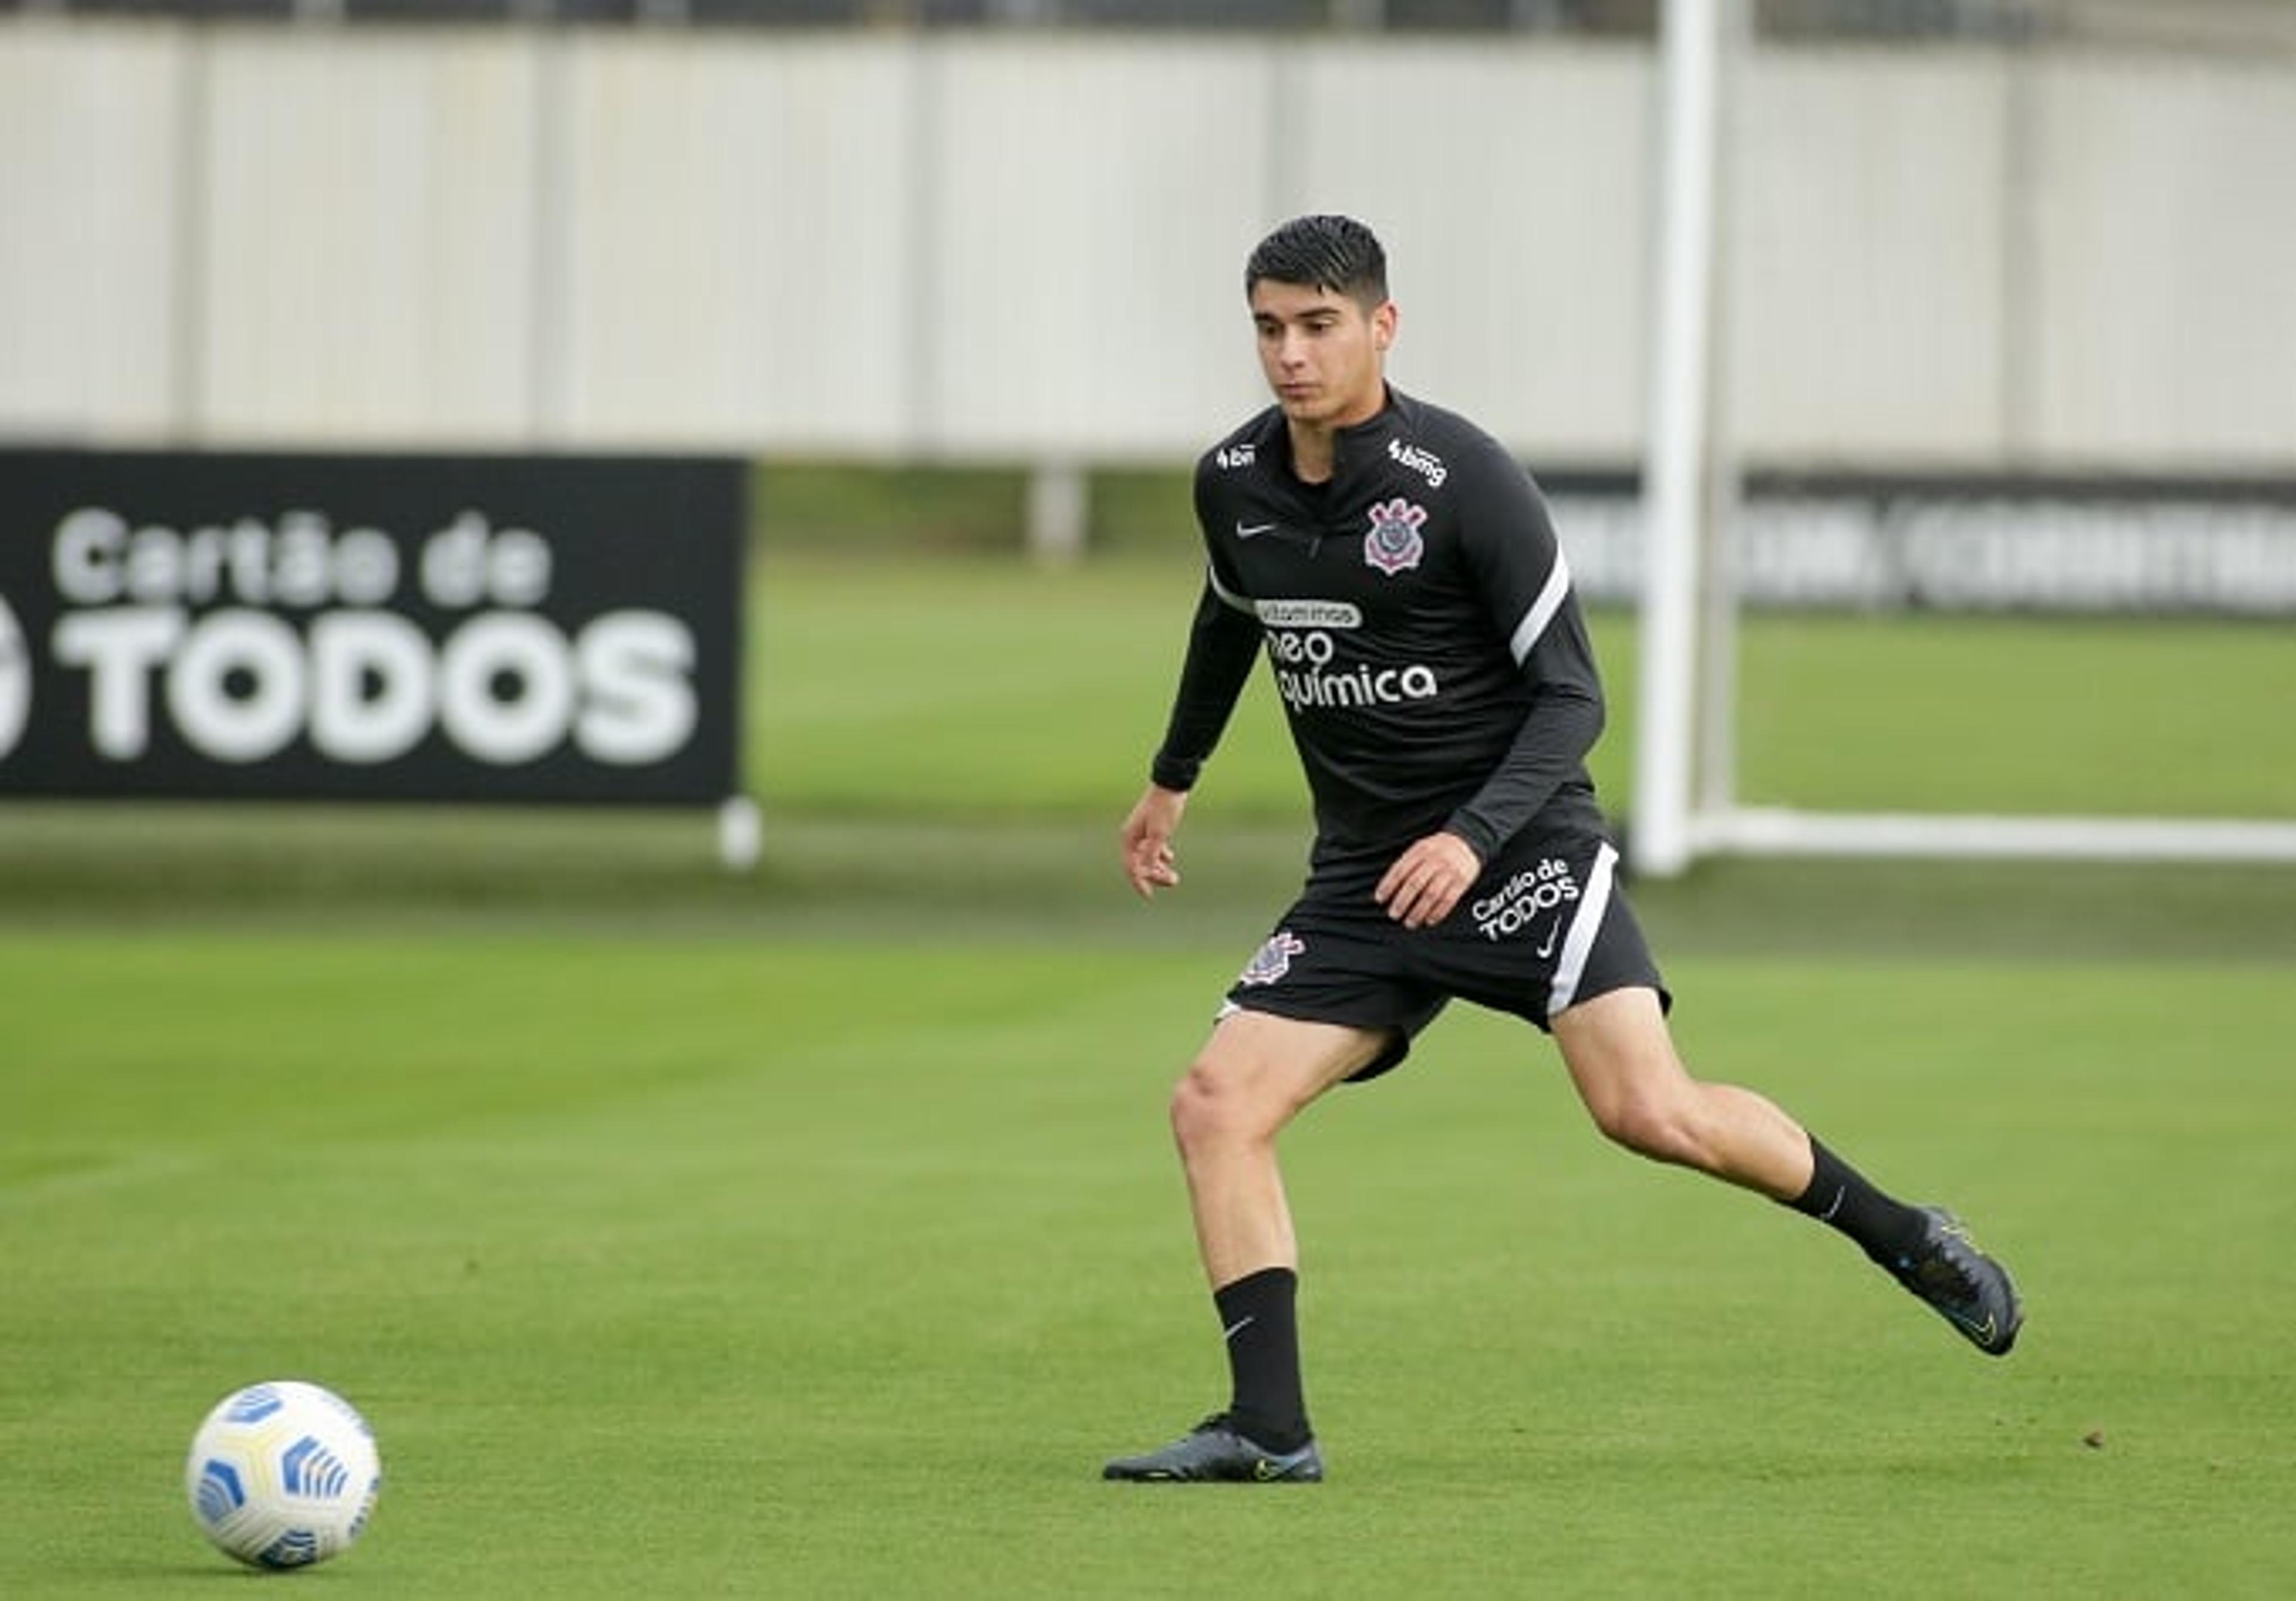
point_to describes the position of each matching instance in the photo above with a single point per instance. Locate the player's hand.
(1426, 881)
(1148, 860)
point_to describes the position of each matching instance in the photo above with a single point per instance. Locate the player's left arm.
(1508, 539)
(1509, 542)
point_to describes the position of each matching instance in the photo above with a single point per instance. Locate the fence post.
(1060, 507)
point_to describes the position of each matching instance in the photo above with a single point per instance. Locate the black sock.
(1887, 1229)
(1256, 1314)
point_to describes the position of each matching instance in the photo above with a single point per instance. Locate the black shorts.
(1545, 926)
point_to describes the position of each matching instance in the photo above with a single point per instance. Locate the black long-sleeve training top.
(1418, 615)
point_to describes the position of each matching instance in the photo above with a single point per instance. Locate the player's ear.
(1382, 326)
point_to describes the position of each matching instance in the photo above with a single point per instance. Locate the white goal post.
(1677, 454)
(1684, 805)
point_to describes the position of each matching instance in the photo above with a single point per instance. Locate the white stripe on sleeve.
(1542, 611)
(1228, 596)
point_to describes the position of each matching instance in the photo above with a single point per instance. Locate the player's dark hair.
(1337, 253)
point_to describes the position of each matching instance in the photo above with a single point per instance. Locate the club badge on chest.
(1394, 544)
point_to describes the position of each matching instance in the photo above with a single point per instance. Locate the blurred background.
(1983, 234)
(2001, 323)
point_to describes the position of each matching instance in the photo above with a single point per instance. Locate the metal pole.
(1716, 789)
(1681, 339)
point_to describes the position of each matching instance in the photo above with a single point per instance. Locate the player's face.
(1324, 354)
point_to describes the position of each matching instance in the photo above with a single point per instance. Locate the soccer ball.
(282, 1474)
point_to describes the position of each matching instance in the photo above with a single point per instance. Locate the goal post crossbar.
(1786, 830)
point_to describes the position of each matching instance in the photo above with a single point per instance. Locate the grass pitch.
(892, 688)
(713, 1267)
(815, 1233)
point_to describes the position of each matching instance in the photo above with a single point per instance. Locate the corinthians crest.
(1274, 959)
(1394, 545)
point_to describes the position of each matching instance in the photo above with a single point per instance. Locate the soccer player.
(1400, 572)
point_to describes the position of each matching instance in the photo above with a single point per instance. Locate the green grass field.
(815, 1233)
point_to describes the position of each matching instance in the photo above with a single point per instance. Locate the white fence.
(990, 246)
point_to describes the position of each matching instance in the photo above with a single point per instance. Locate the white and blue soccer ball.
(282, 1474)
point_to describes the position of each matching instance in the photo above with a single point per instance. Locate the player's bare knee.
(1206, 1107)
(1662, 1128)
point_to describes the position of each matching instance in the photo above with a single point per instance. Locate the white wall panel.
(1022, 244)
(741, 242)
(1094, 209)
(1510, 185)
(1868, 255)
(88, 273)
(2167, 267)
(366, 237)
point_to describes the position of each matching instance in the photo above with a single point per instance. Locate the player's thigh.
(1258, 1068)
(1621, 1056)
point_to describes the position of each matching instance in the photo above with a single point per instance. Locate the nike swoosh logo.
(1237, 1328)
(1547, 949)
(1251, 531)
(1982, 1332)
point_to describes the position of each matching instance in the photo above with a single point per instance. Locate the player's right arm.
(1148, 860)
(1223, 642)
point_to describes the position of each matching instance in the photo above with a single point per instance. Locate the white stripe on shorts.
(1584, 927)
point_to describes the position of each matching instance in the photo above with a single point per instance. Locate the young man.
(1399, 570)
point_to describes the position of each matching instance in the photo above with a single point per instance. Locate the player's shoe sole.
(1962, 1285)
(1214, 1453)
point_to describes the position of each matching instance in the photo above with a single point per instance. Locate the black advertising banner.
(1966, 542)
(431, 628)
